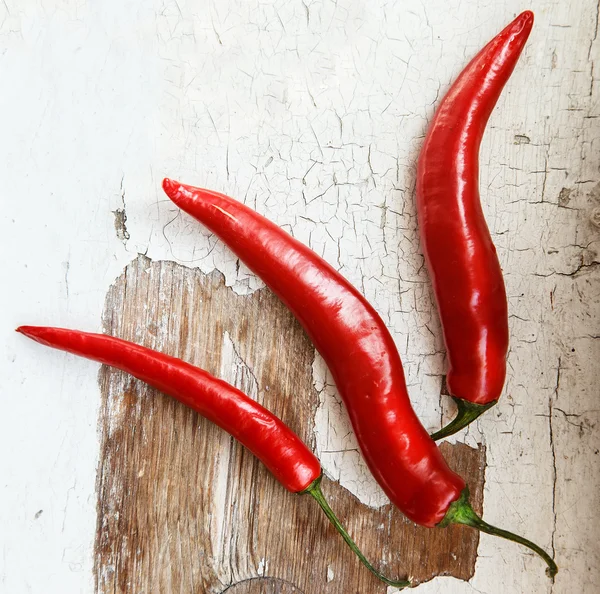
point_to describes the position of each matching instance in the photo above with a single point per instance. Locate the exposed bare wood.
(184, 508)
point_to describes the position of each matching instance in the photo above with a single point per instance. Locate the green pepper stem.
(314, 489)
(467, 413)
(461, 512)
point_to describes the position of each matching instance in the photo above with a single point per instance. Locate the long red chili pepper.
(361, 355)
(264, 434)
(459, 253)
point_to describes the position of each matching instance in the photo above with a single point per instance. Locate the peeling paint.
(313, 114)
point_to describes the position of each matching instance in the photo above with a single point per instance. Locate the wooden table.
(313, 114)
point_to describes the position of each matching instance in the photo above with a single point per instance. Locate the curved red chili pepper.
(361, 355)
(264, 434)
(459, 253)
(355, 344)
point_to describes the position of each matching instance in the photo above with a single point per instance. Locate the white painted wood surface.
(313, 113)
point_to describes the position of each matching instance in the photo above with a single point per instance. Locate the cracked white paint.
(312, 113)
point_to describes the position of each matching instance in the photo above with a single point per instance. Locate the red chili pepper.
(361, 355)
(264, 434)
(355, 344)
(460, 256)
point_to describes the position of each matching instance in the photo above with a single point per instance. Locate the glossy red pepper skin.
(355, 344)
(264, 434)
(459, 253)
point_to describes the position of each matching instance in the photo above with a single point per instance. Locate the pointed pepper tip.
(32, 332)
(525, 20)
(169, 186)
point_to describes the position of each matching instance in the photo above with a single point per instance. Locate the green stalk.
(461, 512)
(467, 413)
(314, 489)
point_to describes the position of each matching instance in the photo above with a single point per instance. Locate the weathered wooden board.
(182, 507)
(312, 112)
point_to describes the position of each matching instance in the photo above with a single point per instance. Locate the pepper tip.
(29, 331)
(526, 18)
(169, 186)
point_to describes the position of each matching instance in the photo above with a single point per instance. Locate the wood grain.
(182, 507)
